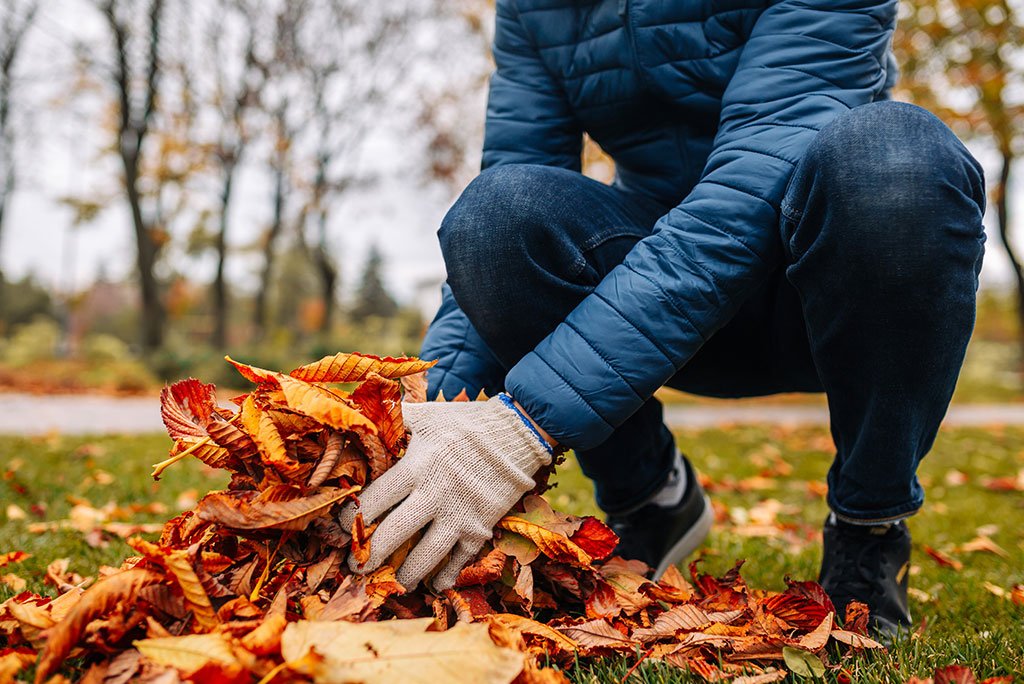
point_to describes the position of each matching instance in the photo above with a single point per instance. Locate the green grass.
(965, 623)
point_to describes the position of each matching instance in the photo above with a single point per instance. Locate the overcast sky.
(60, 157)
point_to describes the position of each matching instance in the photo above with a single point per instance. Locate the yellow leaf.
(188, 653)
(195, 596)
(397, 651)
(555, 546)
(356, 367)
(323, 405)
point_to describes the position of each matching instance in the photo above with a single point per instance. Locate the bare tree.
(135, 29)
(15, 19)
(238, 80)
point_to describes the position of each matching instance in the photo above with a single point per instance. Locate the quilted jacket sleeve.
(805, 62)
(529, 120)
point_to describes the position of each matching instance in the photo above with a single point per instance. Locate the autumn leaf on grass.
(380, 400)
(355, 367)
(397, 651)
(857, 641)
(13, 557)
(99, 599)
(796, 610)
(281, 507)
(943, 559)
(596, 635)
(803, 664)
(982, 543)
(323, 405)
(684, 618)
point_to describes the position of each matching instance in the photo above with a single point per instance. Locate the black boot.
(661, 536)
(870, 564)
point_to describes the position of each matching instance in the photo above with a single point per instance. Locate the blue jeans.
(874, 305)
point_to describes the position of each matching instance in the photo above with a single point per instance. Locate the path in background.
(26, 414)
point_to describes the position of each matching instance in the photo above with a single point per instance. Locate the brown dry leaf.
(415, 387)
(766, 677)
(266, 638)
(16, 583)
(816, 640)
(982, 543)
(484, 571)
(380, 400)
(397, 651)
(282, 507)
(323, 405)
(684, 618)
(553, 545)
(332, 452)
(524, 625)
(853, 639)
(356, 367)
(361, 539)
(188, 653)
(597, 634)
(100, 598)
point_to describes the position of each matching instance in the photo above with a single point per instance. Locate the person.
(776, 224)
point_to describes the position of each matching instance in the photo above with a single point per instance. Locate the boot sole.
(689, 542)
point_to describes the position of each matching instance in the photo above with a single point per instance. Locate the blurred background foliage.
(194, 96)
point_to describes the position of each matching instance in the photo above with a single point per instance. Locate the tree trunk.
(152, 316)
(1003, 224)
(328, 274)
(259, 315)
(220, 293)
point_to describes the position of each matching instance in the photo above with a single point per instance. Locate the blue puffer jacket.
(713, 101)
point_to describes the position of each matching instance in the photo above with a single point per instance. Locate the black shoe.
(870, 565)
(662, 536)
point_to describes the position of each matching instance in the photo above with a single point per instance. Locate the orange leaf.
(195, 595)
(524, 625)
(380, 400)
(954, 674)
(13, 557)
(324, 469)
(253, 374)
(415, 387)
(485, 570)
(945, 560)
(323, 405)
(684, 618)
(555, 546)
(596, 538)
(355, 367)
(96, 601)
(266, 638)
(281, 507)
(602, 602)
(186, 407)
(272, 448)
(361, 539)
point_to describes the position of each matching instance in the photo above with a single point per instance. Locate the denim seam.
(679, 310)
(611, 233)
(650, 339)
(604, 358)
(575, 391)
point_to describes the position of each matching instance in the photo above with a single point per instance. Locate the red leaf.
(596, 538)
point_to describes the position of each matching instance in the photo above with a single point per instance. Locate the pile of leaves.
(253, 583)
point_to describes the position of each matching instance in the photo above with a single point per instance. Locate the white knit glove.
(467, 464)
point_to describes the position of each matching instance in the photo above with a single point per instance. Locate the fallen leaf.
(954, 674)
(943, 559)
(282, 507)
(187, 653)
(397, 651)
(13, 557)
(803, 664)
(982, 543)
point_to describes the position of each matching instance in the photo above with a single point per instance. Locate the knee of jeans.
(498, 217)
(891, 165)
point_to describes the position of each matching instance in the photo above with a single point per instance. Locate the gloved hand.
(466, 465)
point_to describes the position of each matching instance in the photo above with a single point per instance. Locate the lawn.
(765, 482)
